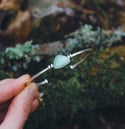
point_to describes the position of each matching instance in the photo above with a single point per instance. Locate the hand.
(18, 98)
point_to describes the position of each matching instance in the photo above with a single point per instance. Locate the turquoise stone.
(60, 61)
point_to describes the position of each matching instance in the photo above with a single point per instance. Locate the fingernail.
(25, 78)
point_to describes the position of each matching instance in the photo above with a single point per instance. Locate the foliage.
(98, 82)
(88, 37)
(18, 57)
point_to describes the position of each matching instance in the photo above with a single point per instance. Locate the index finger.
(13, 87)
(6, 81)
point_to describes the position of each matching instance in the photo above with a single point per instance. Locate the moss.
(81, 89)
(98, 82)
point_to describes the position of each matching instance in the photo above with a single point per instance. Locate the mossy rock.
(96, 83)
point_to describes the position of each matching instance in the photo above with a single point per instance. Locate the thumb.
(20, 108)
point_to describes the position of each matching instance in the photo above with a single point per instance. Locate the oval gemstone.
(60, 61)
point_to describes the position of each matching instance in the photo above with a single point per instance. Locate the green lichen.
(88, 37)
(19, 57)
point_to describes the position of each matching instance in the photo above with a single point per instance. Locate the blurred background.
(88, 97)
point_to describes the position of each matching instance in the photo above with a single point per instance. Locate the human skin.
(18, 98)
